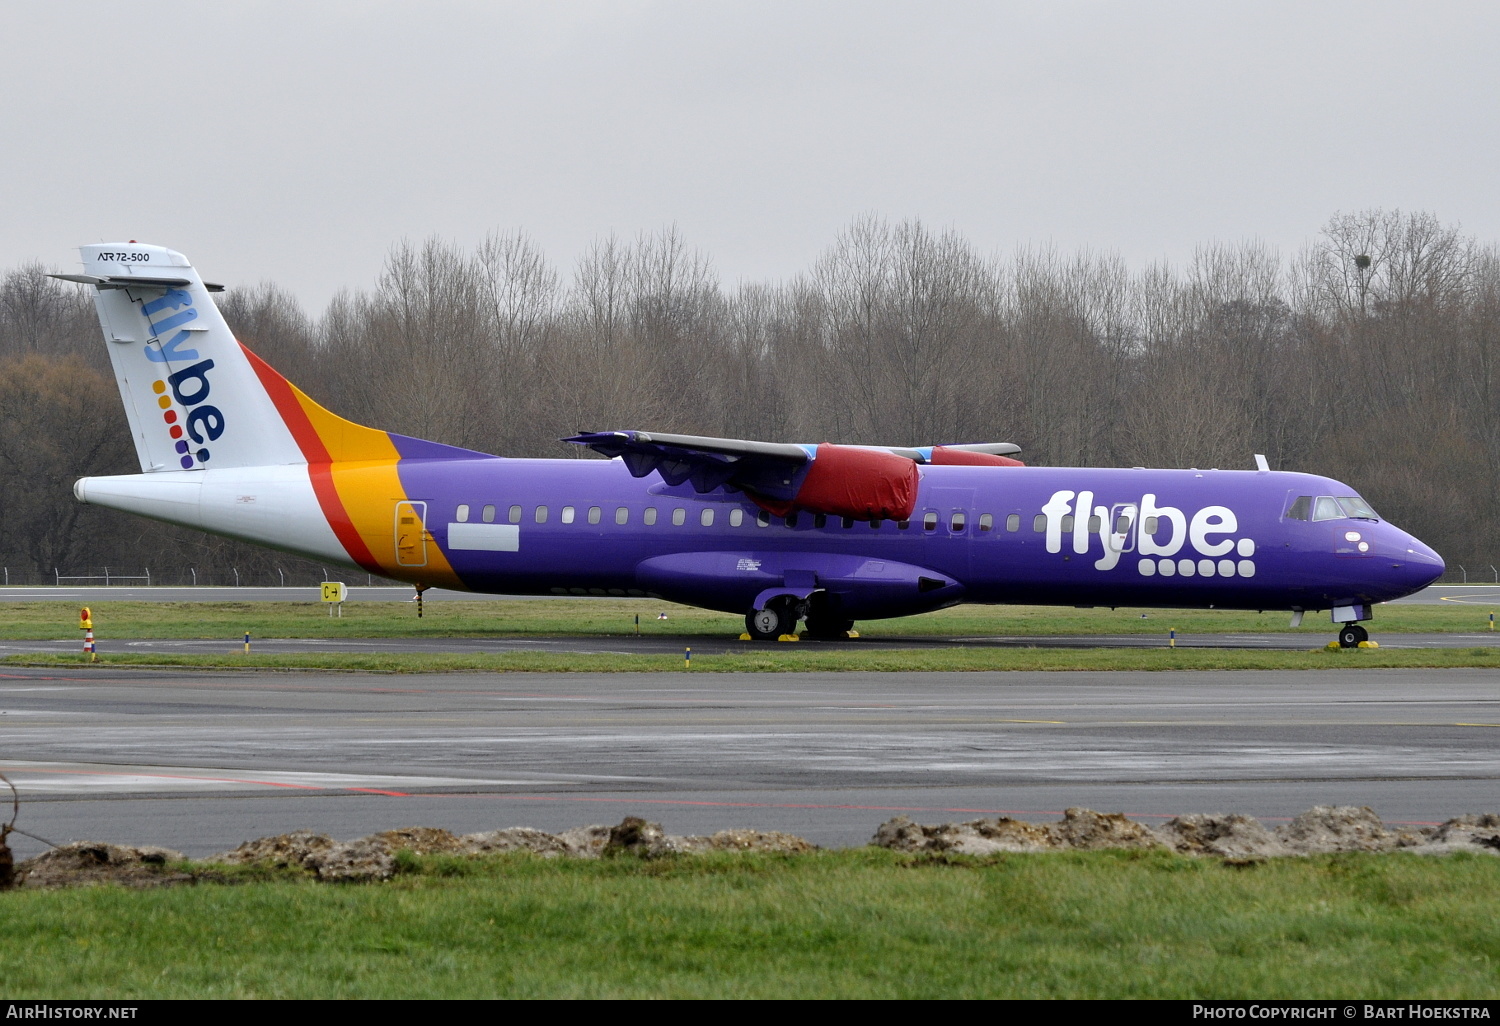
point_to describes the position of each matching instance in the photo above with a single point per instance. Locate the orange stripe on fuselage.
(354, 476)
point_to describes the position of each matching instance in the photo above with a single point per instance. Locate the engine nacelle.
(844, 481)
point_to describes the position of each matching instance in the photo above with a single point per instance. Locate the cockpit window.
(1301, 509)
(1357, 508)
(1327, 508)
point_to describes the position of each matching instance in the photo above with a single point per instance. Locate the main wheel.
(770, 623)
(1352, 635)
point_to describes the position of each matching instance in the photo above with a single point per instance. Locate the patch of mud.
(91, 862)
(1320, 830)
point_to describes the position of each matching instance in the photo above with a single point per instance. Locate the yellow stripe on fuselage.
(370, 491)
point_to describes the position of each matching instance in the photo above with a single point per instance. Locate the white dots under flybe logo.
(1167, 567)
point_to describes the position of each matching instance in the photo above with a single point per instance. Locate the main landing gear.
(1351, 634)
(778, 618)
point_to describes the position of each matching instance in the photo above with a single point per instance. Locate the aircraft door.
(411, 534)
(1122, 521)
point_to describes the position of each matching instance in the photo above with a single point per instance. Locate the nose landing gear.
(1351, 635)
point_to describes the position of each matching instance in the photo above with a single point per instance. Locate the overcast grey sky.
(297, 142)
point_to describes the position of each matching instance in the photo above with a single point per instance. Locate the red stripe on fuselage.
(319, 468)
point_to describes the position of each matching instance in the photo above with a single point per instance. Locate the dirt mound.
(515, 839)
(93, 862)
(1228, 836)
(421, 841)
(1079, 830)
(1474, 832)
(754, 840)
(1087, 830)
(1319, 830)
(976, 837)
(585, 842)
(282, 851)
(1330, 828)
(374, 857)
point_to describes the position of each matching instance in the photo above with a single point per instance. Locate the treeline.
(1372, 356)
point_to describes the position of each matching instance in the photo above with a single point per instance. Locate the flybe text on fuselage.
(171, 344)
(1166, 540)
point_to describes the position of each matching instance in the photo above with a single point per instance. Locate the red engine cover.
(945, 457)
(864, 484)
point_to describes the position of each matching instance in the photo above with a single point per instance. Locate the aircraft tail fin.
(194, 396)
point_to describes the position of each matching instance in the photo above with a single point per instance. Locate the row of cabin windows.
(958, 521)
(1096, 524)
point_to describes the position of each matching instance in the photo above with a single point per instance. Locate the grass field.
(116, 621)
(603, 617)
(859, 923)
(770, 658)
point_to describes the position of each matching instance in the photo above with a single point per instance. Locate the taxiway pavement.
(201, 761)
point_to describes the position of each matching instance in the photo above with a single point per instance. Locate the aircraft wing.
(861, 482)
(767, 468)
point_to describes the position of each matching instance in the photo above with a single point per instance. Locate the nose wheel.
(1351, 635)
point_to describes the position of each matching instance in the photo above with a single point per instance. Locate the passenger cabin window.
(986, 522)
(567, 515)
(1039, 523)
(762, 519)
(958, 522)
(679, 517)
(1013, 523)
(791, 519)
(462, 516)
(736, 517)
(1301, 509)
(1327, 508)
(1067, 524)
(488, 514)
(594, 514)
(848, 523)
(622, 515)
(541, 514)
(820, 520)
(1149, 525)
(649, 516)
(929, 521)
(902, 525)
(1096, 524)
(706, 518)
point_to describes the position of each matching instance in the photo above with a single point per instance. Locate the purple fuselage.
(1066, 536)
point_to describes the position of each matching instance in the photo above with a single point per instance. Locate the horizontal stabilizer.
(133, 282)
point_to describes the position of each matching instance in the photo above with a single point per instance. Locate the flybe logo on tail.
(199, 422)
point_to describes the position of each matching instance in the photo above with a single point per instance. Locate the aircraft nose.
(1419, 564)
